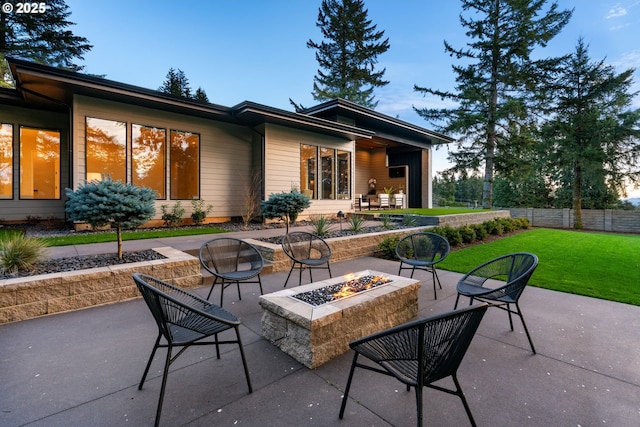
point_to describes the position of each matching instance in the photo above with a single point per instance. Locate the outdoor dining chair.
(183, 320)
(231, 261)
(420, 353)
(383, 200)
(500, 283)
(361, 202)
(307, 251)
(422, 251)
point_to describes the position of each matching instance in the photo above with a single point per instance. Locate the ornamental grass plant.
(18, 252)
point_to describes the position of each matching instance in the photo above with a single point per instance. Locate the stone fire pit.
(315, 334)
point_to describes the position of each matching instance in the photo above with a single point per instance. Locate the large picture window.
(106, 149)
(334, 171)
(308, 162)
(6, 161)
(184, 155)
(39, 164)
(148, 153)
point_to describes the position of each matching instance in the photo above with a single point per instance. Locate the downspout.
(69, 133)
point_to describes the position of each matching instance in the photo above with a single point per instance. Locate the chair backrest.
(171, 305)
(437, 343)
(360, 201)
(429, 247)
(515, 269)
(383, 198)
(398, 198)
(300, 245)
(226, 255)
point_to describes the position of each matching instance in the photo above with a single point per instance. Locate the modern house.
(59, 129)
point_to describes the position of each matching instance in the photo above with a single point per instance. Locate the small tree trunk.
(119, 234)
(577, 197)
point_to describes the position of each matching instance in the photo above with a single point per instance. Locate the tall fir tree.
(348, 54)
(177, 84)
(496, 83)
(42, 37)
(593, 136)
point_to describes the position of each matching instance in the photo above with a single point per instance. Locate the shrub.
(321, 225)
(199, 211)
(388, 246)
(99, 203)
(356, 223)
(409, 220)
(508, 224)
(522, 223)
(386, 221)
(481, 231)
(452, 235)
(285, 206)
(18, 252)
(467, 233)
(173, 217)
(493, 227)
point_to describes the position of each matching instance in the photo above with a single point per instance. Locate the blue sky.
(256, 49)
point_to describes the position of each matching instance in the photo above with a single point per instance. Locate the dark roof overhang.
(384, 126)
(256, 114)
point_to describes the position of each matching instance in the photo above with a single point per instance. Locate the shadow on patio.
(83, 367)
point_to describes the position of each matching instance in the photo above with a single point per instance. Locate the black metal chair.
(420, 353)
(184, 320)
(422, 251)
(487, 283)
(231, 261)
(307, 251)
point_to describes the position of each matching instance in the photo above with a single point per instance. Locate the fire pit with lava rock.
(352, 285)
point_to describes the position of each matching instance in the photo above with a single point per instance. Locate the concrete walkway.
(82, 368)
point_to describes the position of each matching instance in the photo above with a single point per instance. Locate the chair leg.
(526, 331)
(153, 353)
(510, 319)
(290, 271)
(433, 278)
(215, 280)
(165, 374)
(346, 390)
(260, 284)
(457, 299)
(419, 404)
(464, 400)
(329, 268)
(244, 361)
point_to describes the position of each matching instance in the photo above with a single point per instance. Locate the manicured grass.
(600, 265)
(432, 212)
(81, 239)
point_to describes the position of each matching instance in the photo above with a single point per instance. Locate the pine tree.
(348, 54)
(593, 136)
(100, 203)
(43, 37)
(177, 84)
(496, 85)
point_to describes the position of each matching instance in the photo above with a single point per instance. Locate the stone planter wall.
(342, 248)
(27, 297)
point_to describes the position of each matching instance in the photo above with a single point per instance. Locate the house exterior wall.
(16, 209)
(226, 151)
(282, 165)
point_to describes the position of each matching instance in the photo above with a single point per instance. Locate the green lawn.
(81, 239)
(600, 265)
(432, 212)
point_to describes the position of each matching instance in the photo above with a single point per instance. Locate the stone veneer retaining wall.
(613, 220)
(27, 297)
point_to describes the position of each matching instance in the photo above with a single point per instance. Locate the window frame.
(170, 164)
(335, 174)
(165, 156)
(126, 147)
(11, 161)
(59, 160)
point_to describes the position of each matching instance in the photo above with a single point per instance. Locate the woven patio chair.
(307, 251)
(420, 353)
(422, 251)
(500, 283)
(231, 261)
(184, 320)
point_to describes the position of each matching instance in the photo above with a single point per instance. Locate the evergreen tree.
(496, 85)
(177, 84)
(348, 54)
(593, 134)
(42, 37)
(99, 203)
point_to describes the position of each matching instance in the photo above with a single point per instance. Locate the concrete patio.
(82, 368)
